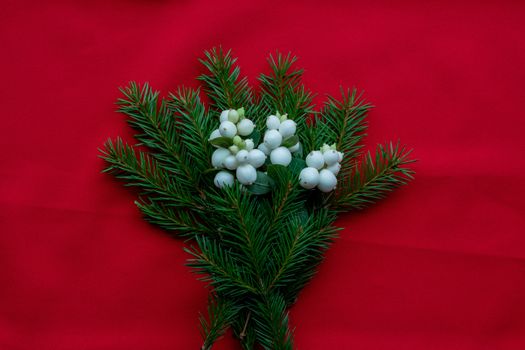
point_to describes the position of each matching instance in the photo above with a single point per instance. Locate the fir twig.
(374, 177)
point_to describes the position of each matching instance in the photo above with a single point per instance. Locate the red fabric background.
(438, 265)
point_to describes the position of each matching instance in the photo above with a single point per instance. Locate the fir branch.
(195, 126)
(343, 122)
(243, 230)
(222, 83)
(282, 90)
(271, 323)
(212, 260)
(159, 131)
(299, 251)
(139, 169)
(183, 222)
(221, 313)
(374, 177)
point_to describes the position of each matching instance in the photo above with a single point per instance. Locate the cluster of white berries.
(241, 156)
(279, 139)
(322, 168)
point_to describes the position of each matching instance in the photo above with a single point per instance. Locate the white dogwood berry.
(327, 180)
(256, 158)
(230, 162)
(245, 127)
(281, 155)
(224, 115)
(223, 178)
(214, 134)
(246, 174)
(242, 156)
(263, 148)
(309, 178)
(315, 160)
(218, 157)
(287, 128)
(233, 116)
(249, 145)
(228, 129)
(273, 122)
(331, 157)
(273, 139)
(334, 168)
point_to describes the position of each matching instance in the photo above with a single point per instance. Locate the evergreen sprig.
(256, 252)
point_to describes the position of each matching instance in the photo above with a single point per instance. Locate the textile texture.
(440, 264)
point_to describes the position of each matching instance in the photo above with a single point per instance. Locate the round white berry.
(223, 178)
(242, 156)
(334, 168)
(281, 155)
(287, 128)
(315, 159)
(327, 180)
(340, 158)
(272, 139)
(214, 134)
(227, 129)
(273, 122)
(224, 115)
(256, 158)
(295, 147)
(330, 157)
(230, 162)
(249, 144)
(245, 127)
(309, 177)
(263, 148)
(233, 116)
(246, 174)
(218, 157)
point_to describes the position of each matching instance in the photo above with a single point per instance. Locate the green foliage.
(377, 175)
(257, 246)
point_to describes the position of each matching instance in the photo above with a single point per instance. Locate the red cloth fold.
(438, 265)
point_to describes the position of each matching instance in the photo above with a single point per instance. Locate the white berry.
(227, 129)
(256, 158)
(327, 180)
(246, 174)
(273, 122)
(230, 162)
(224, 115)
(215, 134)
(264, 149)
(218, 157)
(281, 155)
(309, 177)
(331, 157)
(273, 139)
(249, 144)
(334, 168)
(287, 128)
(242, 156)
(223, 178)
(245, 127)
(315, 159)
(233, 116)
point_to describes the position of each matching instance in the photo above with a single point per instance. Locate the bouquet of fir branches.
(254, 182)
